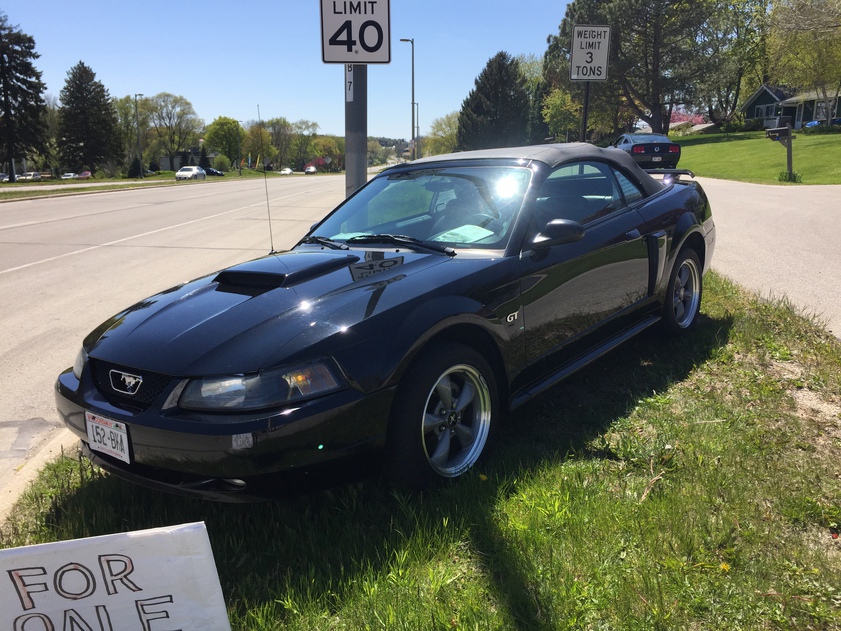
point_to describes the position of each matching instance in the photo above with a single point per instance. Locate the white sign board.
(150, 580)
(589, 53)
(355, 32)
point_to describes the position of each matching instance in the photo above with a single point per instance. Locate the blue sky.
(227, 58)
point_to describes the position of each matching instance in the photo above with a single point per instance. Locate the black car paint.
(373, 309)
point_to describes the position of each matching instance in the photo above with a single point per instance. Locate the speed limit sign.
(355, 32)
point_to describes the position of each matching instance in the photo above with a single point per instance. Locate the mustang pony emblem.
(125, 383)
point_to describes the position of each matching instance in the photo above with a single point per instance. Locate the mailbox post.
(784, 137)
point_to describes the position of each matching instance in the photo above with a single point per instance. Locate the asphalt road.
(68, 263)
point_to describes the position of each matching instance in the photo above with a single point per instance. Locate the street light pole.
(137, 122)
(239, 150)
(412, 42)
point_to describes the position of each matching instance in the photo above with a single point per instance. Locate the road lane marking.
(145, 234)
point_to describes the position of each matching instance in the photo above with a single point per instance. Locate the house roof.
(802, 97)
(779, 94)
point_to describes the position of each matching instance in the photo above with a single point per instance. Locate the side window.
(630, 190)
(581, 191)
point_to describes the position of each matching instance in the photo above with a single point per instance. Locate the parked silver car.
(190, 173)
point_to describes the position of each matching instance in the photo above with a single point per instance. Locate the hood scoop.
(255, 278)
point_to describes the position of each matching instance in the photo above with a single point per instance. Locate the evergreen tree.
(495, 113)
(21, 96)
(88, 127)
(538, 129)
(204, 162)
(134, 171)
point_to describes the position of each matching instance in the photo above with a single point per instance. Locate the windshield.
(465, 207)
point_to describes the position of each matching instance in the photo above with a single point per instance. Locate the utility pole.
(137, 123)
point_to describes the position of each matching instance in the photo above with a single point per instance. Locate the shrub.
(222, 163)
(795, 177)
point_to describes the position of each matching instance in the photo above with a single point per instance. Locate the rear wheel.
(683, 295)
(442, 417)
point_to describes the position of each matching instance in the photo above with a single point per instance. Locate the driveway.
(781, 241)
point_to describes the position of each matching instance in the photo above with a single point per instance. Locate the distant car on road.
(214, 172)
(4, 177)
(190, 173)
(85, 175)
(30, 176)
(649, 150)
(69, 176)
(310, 170)
(286, 171)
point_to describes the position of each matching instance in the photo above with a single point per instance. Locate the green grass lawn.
(674, 484)
(751, 157)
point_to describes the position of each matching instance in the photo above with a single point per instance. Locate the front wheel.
(683, 295)
(442, 417)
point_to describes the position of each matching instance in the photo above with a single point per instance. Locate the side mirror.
(558, 232)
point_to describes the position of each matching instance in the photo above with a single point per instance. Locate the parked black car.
(401, 328)
(214, 172)
(649, 150)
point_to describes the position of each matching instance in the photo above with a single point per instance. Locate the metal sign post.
(589, 54)
(356, 33)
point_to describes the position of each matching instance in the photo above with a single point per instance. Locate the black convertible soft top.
(553, 155)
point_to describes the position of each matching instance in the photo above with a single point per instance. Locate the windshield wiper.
(403, 240)
(328, 243)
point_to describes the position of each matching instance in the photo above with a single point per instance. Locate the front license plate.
(657, 159)
(107, 436)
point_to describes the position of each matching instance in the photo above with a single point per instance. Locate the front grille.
(151, 388)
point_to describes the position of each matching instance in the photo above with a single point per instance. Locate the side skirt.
(527, 394)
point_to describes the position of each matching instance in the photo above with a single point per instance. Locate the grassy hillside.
(750, 157)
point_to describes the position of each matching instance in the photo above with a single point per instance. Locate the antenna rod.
(265, 181)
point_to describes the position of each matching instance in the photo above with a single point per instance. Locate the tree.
(21, 91)
(331, 149)
(495, 113)
(204, 161)
(562, 115)
(51, 119)
(258, 144)
(224, 135)
(132, 112)
(283, 134)
(734, 39)
(805, 48)
(301, 150)
(657, 52)
(174, 122)
(88, 134)
(442, 135)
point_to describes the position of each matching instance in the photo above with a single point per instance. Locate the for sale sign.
(151, 580)
(355, 32)
(590, 52)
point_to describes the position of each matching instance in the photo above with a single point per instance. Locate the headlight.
(261, 390)
(79, 364)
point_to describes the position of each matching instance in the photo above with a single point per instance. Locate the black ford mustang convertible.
(399, 330)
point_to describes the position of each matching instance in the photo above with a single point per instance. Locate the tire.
(683, 294)
(440, 426)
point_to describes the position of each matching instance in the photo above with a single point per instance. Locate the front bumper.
(193, 454)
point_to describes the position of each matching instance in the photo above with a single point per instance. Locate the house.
(777, 107)
(763, 107)
(809, 106)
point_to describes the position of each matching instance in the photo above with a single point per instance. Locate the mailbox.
(778, 132)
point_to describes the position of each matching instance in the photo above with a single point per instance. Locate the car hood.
(257, 314)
